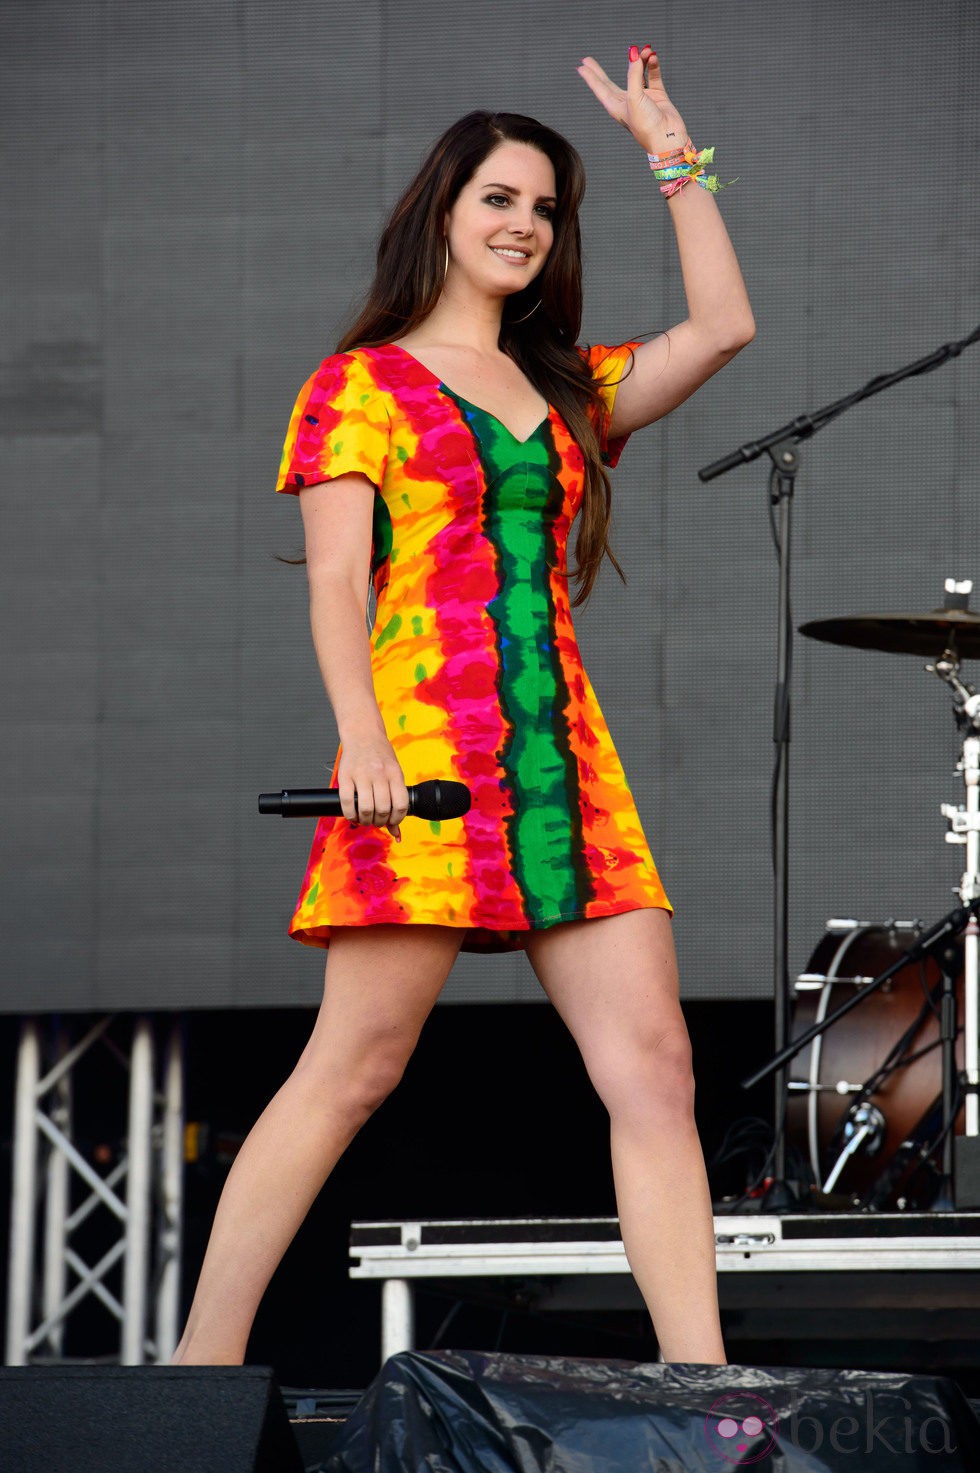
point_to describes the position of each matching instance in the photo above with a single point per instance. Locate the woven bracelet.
(675, 170)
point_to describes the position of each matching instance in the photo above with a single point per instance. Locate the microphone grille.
(439, 798)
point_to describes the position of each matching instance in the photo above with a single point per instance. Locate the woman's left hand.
(644, 107)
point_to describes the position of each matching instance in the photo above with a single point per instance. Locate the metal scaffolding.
(56, 1188)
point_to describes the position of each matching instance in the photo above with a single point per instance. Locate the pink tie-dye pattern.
(463, 581)
(411, 441)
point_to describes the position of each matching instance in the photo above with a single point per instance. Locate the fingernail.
(634, 53)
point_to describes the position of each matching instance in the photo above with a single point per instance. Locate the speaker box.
(144, 1419)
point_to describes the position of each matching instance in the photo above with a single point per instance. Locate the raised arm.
(338, 556)
(719, 322)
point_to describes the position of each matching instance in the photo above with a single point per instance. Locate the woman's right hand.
(370, 782)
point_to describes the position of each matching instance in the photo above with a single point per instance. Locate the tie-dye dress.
(475, 663)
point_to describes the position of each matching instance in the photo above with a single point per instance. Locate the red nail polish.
(634, 53)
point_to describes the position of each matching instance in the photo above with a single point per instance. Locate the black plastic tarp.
(465, 1412)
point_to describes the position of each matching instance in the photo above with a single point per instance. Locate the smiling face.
(500, 227)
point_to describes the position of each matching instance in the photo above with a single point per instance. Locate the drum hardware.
(815, 981)
(803, 1086)
(846, 937)
(935, 1128)
(913, 1160)
(964, 821)
(838, 926)
(864, 1127)
(959, 630)
(929, 944)
(815, 1054)
(897, 1094)
(948, 959)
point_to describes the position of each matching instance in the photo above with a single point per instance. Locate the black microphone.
(432, 800)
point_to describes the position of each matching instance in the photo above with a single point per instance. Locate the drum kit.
(876, 1097)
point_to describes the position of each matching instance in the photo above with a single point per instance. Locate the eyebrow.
(496, 184)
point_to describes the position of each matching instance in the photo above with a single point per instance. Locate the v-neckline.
(545, 419)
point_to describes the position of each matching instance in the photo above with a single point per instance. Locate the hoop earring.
(527, 314)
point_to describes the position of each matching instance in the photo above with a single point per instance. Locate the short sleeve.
(339, 425)
(609, 366)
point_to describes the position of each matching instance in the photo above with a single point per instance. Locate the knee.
(649, 1080)
(373, 1080)
(354, 1084)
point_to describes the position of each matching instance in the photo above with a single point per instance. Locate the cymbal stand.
(964, 821)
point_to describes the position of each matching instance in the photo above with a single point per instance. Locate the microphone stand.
(781, 445)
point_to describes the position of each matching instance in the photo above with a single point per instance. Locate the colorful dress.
(475, 663)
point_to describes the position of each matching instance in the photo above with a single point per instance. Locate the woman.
(447, 446)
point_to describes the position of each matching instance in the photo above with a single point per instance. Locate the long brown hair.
(409, 278)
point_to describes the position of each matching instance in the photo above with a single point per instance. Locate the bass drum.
(827, 1075)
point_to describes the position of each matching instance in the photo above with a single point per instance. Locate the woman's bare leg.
(614, 982)
(381, 983)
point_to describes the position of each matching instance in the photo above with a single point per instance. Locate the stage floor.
(841, 1277)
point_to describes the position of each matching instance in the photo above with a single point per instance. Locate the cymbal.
(903, 634)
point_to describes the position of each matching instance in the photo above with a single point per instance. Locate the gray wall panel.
(191, 754)
(171, 681)
(173, 822)
(54, 907)
(60, 756)
(63, 822)
(315, 72)
(53, 687)
(191, 196)
(50, 614)
(150, 609)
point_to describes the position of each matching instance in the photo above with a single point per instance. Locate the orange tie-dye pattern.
(437, 665)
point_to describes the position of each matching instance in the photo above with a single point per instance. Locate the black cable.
(447, 1321)
(897, 1058)
(957, 1107)
(929, 994)
(748, 1126)
(771, 506)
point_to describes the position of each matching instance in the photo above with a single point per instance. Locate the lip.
(524, 254)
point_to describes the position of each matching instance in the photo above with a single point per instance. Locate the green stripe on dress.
(546, 824)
